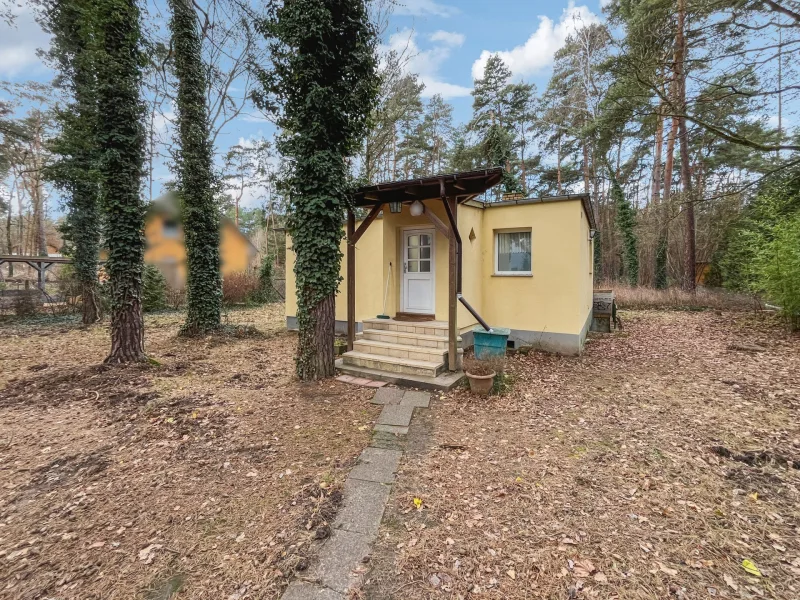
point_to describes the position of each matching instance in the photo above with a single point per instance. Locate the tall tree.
(195, 179)
(626, 223)
(324, 77)
(121, 137)
(72, 24)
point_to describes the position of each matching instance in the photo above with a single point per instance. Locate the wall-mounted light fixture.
(592, 233)
(395, 207)
(417, 208)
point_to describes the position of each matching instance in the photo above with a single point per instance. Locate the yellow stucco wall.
(549, 299)
(170, 252)
(556, 298)
(369, 290)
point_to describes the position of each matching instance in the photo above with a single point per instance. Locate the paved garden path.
(366, 492)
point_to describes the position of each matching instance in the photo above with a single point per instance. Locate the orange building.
(166, 249)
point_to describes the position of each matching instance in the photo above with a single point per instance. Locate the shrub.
(154, 289)
(176, 297)
(27, 303)
(240, 288)
(778, 267)
(266, 293)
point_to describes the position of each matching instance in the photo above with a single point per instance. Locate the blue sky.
(446, 42)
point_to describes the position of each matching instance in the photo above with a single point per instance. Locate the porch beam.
(365, 223)
(351, 280)
(437, 222)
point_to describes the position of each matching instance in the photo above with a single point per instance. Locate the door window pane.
(413, 266)
(424, 240)
(413, 253)
(413, 240)
(424, 266)
(513, 252)
(425, 252)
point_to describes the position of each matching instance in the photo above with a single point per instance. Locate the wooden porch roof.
(461, 186)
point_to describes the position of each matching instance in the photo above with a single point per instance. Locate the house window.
(512, 252)
(170, 229)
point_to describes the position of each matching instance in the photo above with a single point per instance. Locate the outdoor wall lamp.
(592, 233)
(395, 207)
(417, 208)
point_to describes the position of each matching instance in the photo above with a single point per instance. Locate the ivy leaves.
(324, 78)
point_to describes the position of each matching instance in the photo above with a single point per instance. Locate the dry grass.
(213, 471)
(601, 476)
(637, 298)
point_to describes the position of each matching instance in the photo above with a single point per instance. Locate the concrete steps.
(404, 338)
(392, 364)
(400, 347)
(400, 350)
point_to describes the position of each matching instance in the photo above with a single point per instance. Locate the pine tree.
(121, 137)
(195, 176)
(626, 223)
(324, 78)
(73, 26)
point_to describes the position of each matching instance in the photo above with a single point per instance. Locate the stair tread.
(409, 362)
(424, 324)
(404, 334)
(403, 347)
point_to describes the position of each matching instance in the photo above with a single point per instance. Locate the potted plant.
(481, 374)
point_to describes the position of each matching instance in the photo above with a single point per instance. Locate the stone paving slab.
(343, 552)
(388, 395)
(416, 399)
(377, 464)
(302, 590)
(397, 415)
(395, 429)
(389, 441)
(363, 506)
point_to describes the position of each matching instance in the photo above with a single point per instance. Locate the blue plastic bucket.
(490, 344)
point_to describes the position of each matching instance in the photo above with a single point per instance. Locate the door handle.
(405, 270)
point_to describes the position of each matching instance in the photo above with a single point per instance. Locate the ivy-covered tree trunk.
(121, 135)
(626, 223)
(195, 176)
(324, 79)
(73, 26)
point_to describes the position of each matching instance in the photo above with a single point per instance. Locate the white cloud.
(423, 8)
(426, 63)
(604, 3)
(537, 53)
(448, 38)
(19, 42)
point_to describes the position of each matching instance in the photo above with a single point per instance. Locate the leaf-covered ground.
(652, 466)
(213, 471)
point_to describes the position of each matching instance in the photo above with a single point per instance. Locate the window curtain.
(514, 252)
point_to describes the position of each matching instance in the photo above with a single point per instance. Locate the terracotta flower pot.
(481, 384)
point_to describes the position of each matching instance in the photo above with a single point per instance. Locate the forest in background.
(678, 118)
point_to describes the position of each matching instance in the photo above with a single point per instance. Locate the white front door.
(419, 284)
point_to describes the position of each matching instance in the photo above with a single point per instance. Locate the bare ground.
(212, 471)
(650, 467)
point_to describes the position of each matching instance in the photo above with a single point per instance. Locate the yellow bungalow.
(523, 264)
(166, 249)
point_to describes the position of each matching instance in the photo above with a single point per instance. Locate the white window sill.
(512, 275)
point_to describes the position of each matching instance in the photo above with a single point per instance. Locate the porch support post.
(351, 280)
(450, 206)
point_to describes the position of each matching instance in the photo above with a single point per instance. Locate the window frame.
(497, 271)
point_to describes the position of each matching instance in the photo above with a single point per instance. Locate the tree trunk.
(90, 303)
(686, 176)
(9, 243)
(315, 345)
(559, 164)
(585, 167)
(127, 331)
(659, 143)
